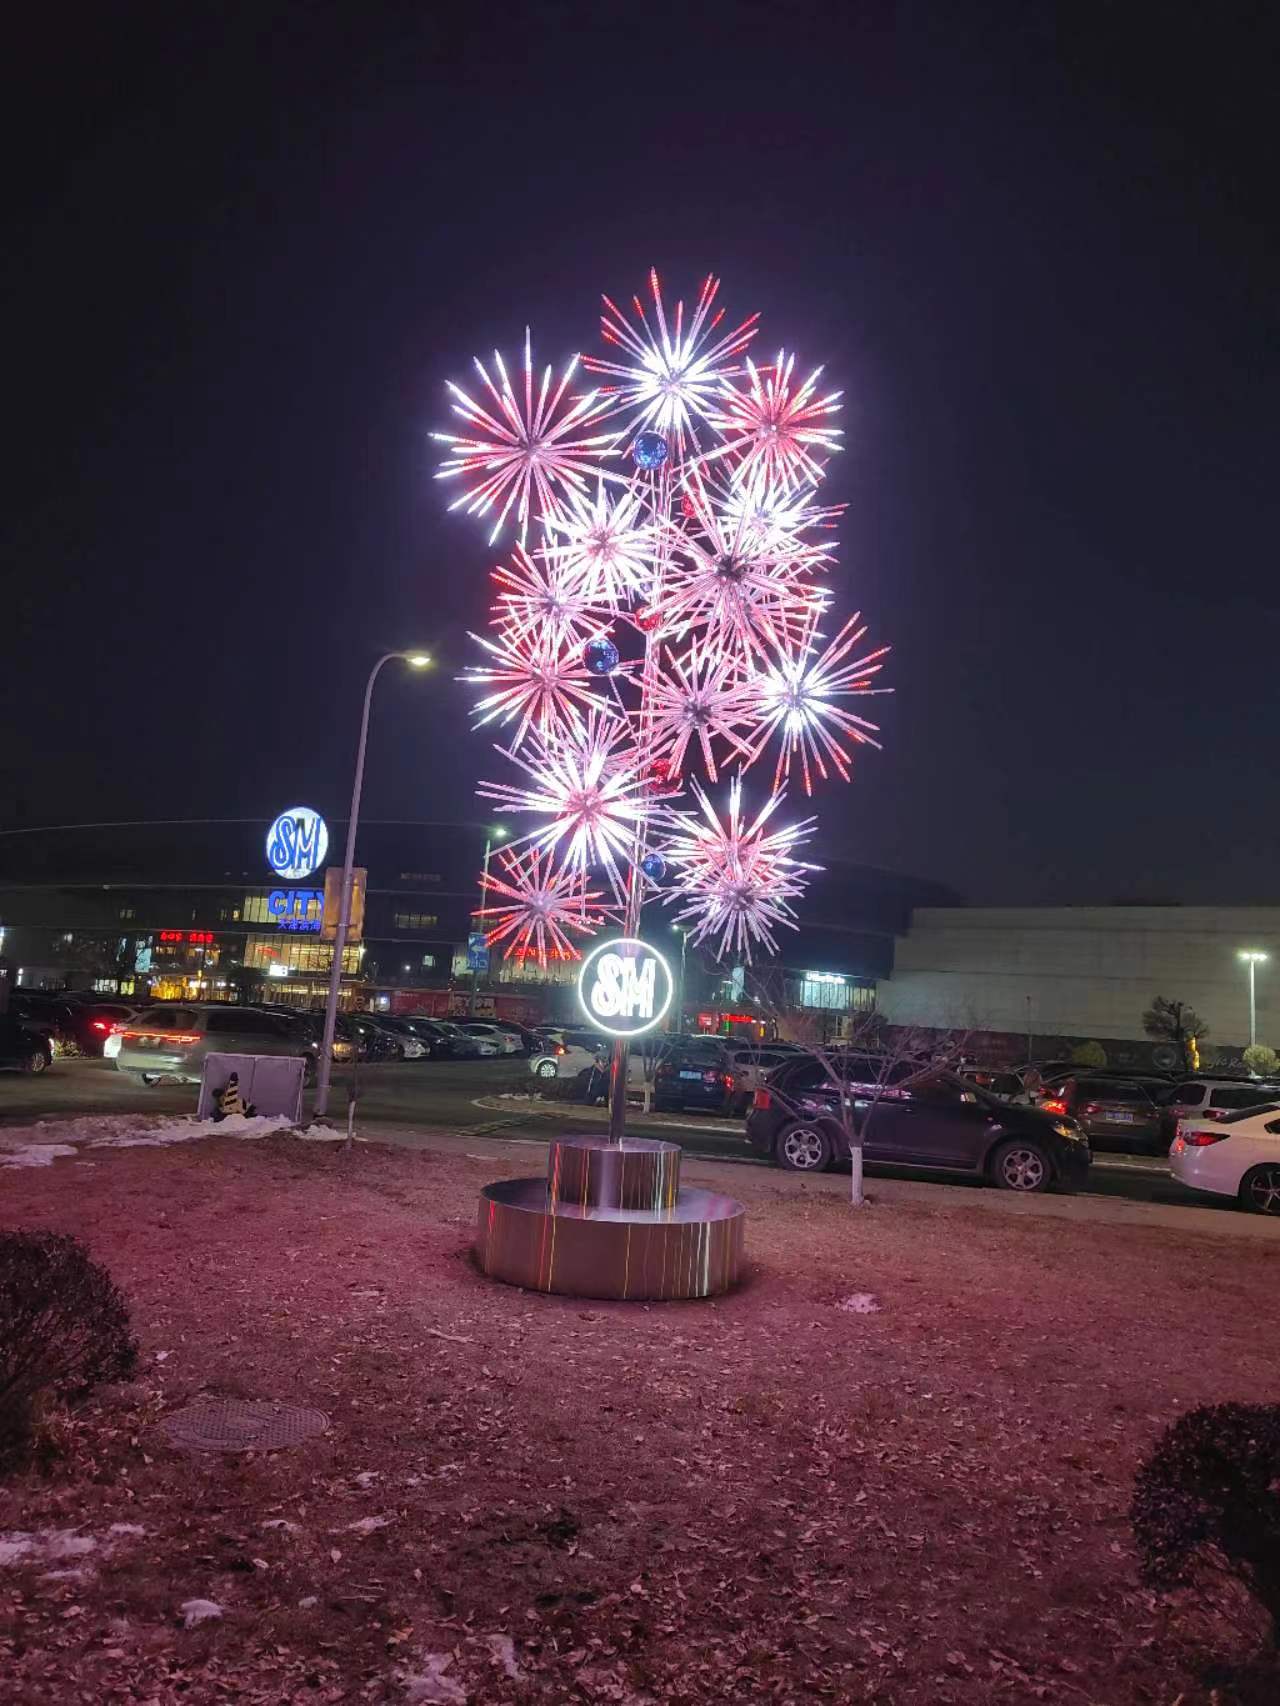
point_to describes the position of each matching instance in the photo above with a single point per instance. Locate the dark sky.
(246, 243)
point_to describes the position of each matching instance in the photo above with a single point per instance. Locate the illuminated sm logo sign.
(625, 987)
(297, 843)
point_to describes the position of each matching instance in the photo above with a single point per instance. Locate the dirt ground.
(778, 1497)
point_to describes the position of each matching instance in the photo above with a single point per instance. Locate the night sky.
(247, 243)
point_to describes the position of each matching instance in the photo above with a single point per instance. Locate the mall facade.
(195, 911)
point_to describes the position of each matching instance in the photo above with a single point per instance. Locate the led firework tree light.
(659, 635)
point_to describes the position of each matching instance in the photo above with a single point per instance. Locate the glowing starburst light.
(533, 683)
(607, 545)
(541, 600)
(796, 698)
(536, 907)
(737, 881)
(700, 697)
(773, 430)
(746, 593)
(592, 789)
(672, 372)
(523, 447)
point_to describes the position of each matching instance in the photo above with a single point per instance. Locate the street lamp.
(1253, 957)
(497, 833)
(415, 660)
(682, 930)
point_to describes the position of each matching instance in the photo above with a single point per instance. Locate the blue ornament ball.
(650, 450)
(600, 657)
(654, 867)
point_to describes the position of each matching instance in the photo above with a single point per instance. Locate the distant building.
(193, 911)
(1083, 972)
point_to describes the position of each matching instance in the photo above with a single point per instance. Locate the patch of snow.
(431, 1684)
(198, 1611)
(308, 1602)
(860, 1303)
(503, 1649)
(84, 1574)
(44, 1547)
(188, 1129)
(34, 1154)
(126, 1528)
(367, 1477)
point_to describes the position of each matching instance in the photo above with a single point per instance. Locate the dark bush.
(1210, 1495)
(63, 1328)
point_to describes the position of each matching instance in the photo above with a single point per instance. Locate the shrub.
(1261, 1060)
(1210, 1494)
(63, 1327)
(1089, 1054)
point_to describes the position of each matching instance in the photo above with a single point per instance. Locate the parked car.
(407, 1045)
(504, 1042)
(1212, 1098)
(914, 1117)
(23, 1049)
(311, 1025)
(1237, 1155)
(694, 1072)
(1114, 1112)
(173, 1041)
(526, 1041)
(373, 1042)
(51, 1015)
(562, 1060)
(437, 1040)
(95, 1022)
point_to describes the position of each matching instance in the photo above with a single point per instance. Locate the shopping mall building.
(196, 911)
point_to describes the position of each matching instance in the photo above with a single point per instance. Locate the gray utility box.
(271, 1083)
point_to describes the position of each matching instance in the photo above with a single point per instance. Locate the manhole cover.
(234, 1424)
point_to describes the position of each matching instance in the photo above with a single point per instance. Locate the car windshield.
(1100, 1090)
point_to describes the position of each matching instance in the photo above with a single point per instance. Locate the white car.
(504, 1042)
(1236, 1156)
(561, 1060)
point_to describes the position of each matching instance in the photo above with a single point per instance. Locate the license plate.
(693, 1075)
(1118, 1116)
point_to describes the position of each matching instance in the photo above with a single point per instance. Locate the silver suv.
(173, 1042)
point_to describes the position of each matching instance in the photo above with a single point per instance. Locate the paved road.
(411, 1102)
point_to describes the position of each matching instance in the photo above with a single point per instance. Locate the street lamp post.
(683, 933)
(1253, 957)
(416, 660)
(497, 833)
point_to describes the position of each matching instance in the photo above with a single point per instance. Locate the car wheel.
(1020, 1166)
(1260, 1189)
(803, 1148)
(546, 1069)
(36, 1062)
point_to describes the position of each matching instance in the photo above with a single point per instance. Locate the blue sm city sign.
(297, 843)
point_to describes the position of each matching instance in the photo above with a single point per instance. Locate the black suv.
(911, 1115)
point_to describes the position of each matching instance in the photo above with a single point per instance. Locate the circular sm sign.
(297, 843)
(625, 987)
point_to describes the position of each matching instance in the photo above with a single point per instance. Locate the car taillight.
(117, 1028)
(1090, 1108)
(99, 1025)
(1202, 1139)
(1054, 1105)
(761, 1100)
(561, 1049)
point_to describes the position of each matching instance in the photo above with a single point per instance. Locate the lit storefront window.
(283, 956)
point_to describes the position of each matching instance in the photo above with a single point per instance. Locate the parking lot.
(417, 1102)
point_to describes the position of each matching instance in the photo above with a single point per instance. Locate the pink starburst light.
(523, 447)
(698, 697)
(672, 372)
(745, 593)
(607, 545)
(534, 683)
(771, 429)
(538, 907)
(542, 600)
(593, 790)
(737, 881)
(795, 698)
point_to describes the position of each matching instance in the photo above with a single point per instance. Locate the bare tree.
(870, 1062)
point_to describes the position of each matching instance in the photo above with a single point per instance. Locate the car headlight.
(1066, 1128)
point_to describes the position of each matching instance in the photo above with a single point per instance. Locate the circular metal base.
(694, 1248)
